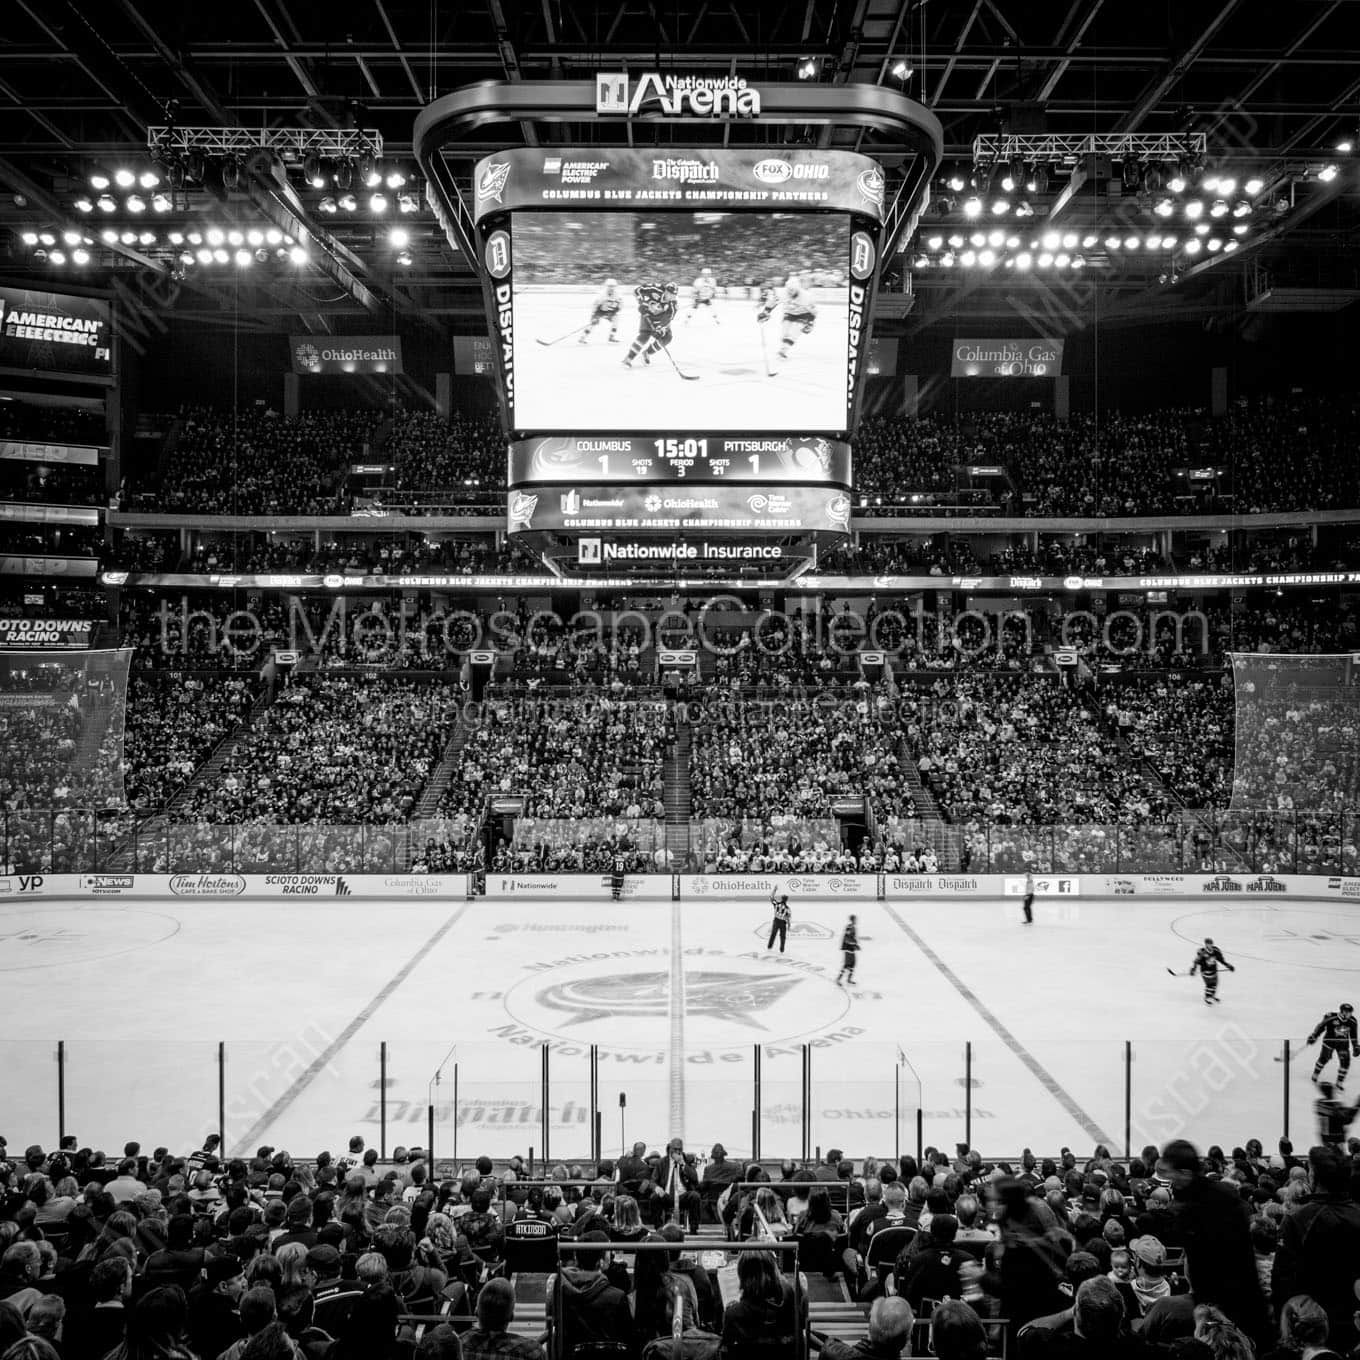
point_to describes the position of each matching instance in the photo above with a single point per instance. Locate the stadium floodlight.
(99, 178)
(395, 177)
(1062, 259)
(1227, 185)
(1153, 243)
(128, 238)
(109, 236)
(327, 204)
(987, 258)
(408, 202)
(1023, 260)
(216, 236)
(1051, 240)
(1239, 229)
(47, 238)
(1165, 207)
(298, 255)
(1012, 242)
(72, 238)
(1193, 209)
(30, 238)
(1218, 208)
(1069, 240)
(1214, 244)
(135, 203)
(972, 206)
(348, 202)
(935, 242)
(203, 255)
(84, 204)
(1229, 247)
(231, 174)
(1000, 207)
(1045, 259)
(176, 238)
(161, 203)
(312, 171)
(1078, 261)
(1192, 246)
(996, 238)
(1327, 174)
(147, 238)
(80, 255)
(255, 237)
(903, 70)
(807, 68)
(149, 179)
(955, 241)
(57, 256)
(1112, 243)
(399, 237)
(977, 240)
(186, 257)
(1089, 240)
(1024, 210)
(1201, 228)
(235, 238)
(956, 182)
(1209, 184)
(1168, 243)
(106, 203)
(1131, 243)
(273, 236)
(220, 255)
(370, 172)
(377, 203)
(947, 259)
(343, 175)
(1241, 208)
(404, 259)
(124, 178)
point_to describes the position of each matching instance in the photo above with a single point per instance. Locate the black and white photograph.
(680, 320)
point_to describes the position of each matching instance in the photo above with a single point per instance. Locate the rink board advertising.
(771, 260)
(666, 507)
(575, 459)
(42, 332)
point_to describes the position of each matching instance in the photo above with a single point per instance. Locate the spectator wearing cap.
(1212, 1224)
(1319, 1249)
(214, 1316)
(1149, 1284)
(491, 1338)
(890, 1324)
(718, 1175)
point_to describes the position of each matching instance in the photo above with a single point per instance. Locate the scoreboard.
(731, 413)
(610, 459)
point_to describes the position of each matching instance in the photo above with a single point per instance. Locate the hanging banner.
(1006, 359)
(13, 450)
(323, 355)
(42, 332)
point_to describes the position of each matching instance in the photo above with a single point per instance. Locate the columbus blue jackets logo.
(492, 181)
(522, 509)
(870, 184)
(734, 997)
(554, 459)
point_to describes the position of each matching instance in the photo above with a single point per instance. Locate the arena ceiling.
(1273, 91)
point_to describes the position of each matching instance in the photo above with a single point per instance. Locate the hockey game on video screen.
(680, 321)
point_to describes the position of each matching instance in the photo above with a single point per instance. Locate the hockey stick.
(1174, 973)
(688, 377)
(765, 350)
(567, 336)
(1302, 1044)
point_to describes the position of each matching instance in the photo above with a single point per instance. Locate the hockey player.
(657, 305)
(1028, 905)
(1207, 963)
(617, 865)
(1339, 1040)
(606, 309)
(782, 917)
(1333, 1117)
(705, 290)
(849, 952)
(799, 312)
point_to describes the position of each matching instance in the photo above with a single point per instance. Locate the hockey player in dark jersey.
(1333, 1116)
(1207, 963)
(617, 865)
(657, 305)
(849, 952)
(606, 309)
(1339, 1040)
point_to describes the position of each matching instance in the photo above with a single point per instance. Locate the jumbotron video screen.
(753, 309)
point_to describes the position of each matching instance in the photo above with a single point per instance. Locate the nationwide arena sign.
(595, 552)
(675, 96)
(1002, 358)
(42, 332)
(712, 179)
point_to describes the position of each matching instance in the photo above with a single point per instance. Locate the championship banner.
(612, 459)
(711, 179)
(33, 635)
(48, 566)
(26, 512)
(1006, 359)
(668, 507)
(42, 332)
(322, 355)
(13, 450)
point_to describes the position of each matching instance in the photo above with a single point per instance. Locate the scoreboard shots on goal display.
(681, 341)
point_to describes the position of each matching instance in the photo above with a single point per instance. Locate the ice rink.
(570, 386)
(677, 997)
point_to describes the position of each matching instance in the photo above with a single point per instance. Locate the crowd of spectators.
(61, 422)
(574, 757)
(434, 453)
(333, 749)
(1225, 1256)
(254, 461)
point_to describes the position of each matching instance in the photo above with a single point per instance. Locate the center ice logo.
(731, 997)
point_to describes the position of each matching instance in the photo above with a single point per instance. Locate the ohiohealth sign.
(1006, 359)
(318, 354)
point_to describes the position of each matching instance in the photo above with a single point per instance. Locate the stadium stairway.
(442, 775)
(677, 795)
(944, 838)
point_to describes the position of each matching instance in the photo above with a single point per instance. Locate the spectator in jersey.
(932, 1271)
(1319, 1248)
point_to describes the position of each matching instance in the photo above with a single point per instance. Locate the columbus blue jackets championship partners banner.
(42, 332)
(709, 179)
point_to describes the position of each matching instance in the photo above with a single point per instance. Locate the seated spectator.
(890, 1324)
(592, 1309)
(491, 1336)
(762, 1321)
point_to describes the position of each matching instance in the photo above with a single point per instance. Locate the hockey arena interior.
(679, 682)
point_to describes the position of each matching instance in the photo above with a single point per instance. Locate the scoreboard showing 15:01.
(623, 459)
